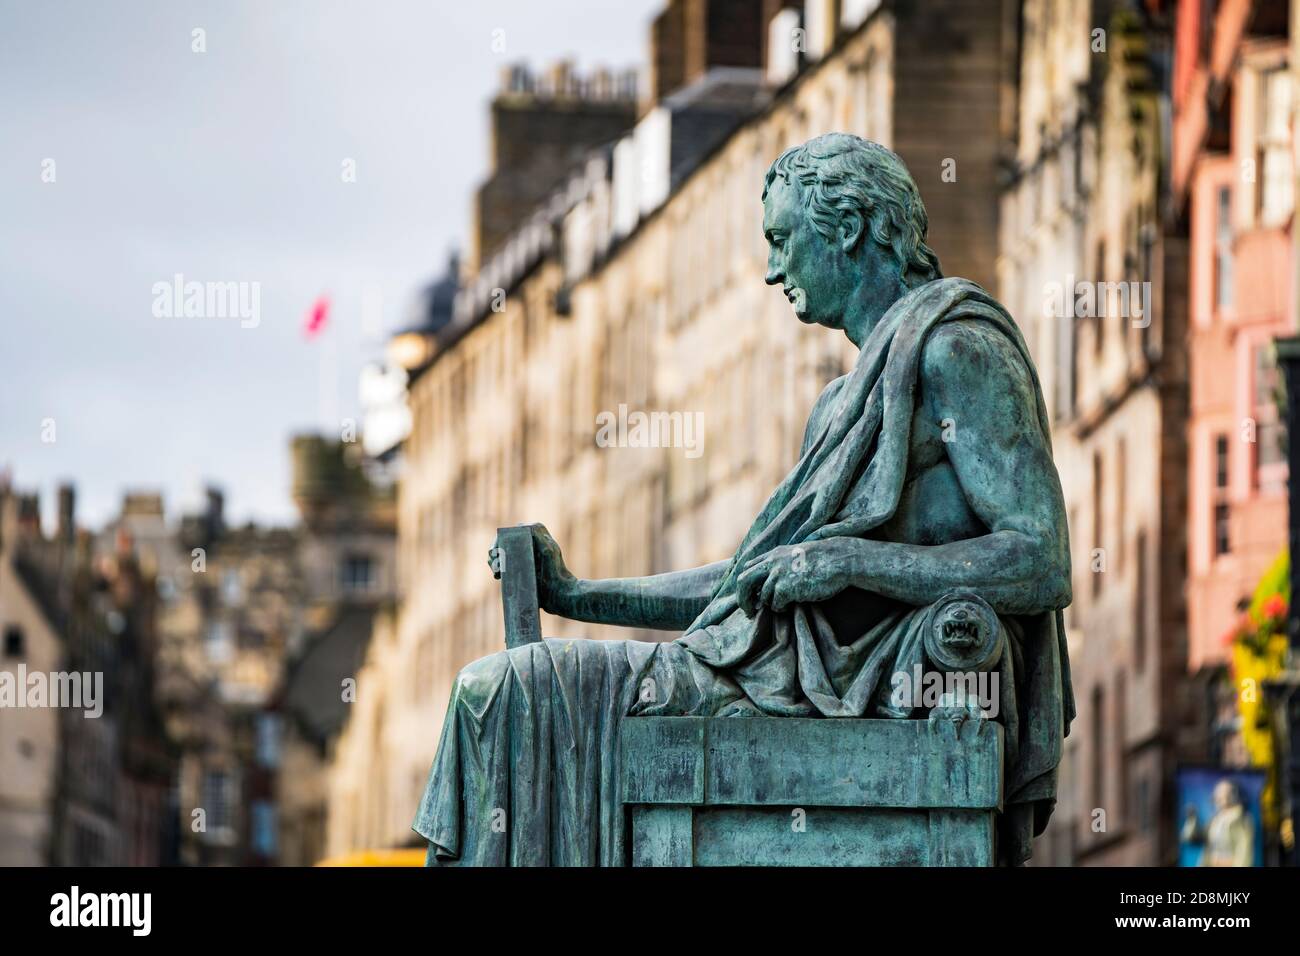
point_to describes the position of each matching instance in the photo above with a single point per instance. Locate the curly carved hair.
(839, 172)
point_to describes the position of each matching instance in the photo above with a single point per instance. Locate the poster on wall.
(1219, 820)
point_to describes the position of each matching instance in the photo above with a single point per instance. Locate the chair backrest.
(519, 586)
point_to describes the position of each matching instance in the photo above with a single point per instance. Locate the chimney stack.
(214, 517)
(67, 527)
(691, 37)
(29, 514)
(542, 126)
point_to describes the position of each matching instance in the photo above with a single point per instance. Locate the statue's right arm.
(662, 602)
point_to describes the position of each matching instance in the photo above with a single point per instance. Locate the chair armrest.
(519, 586)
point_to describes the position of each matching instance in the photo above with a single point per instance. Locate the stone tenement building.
(29, 737)
(81, 785)
(638, 285)
(259, 627)
(1084, 213)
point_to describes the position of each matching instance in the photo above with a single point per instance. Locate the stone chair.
(778, 791)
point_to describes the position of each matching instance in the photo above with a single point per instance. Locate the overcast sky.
(227, 165)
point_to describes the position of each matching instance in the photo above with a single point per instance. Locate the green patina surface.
(799, 792)
(921, 530)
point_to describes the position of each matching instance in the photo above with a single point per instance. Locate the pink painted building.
(1233, 167)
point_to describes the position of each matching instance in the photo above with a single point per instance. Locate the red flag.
(315, 322)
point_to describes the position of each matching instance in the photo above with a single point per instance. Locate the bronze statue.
(925, 478)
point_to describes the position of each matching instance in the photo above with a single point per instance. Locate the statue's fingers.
(743, 590)
(768, 596)
(542, 538)
(782, 596)
(747, 588)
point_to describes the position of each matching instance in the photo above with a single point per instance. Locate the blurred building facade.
(102, 775)
(1094, 270)
(261, 627)
(1234, 176)
(1234, 171)
(29, 737)
(638, 282)
(348, 554)
(226, 657)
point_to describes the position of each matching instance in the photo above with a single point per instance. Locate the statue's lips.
(799, 299)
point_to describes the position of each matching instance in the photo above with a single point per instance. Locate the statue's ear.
(851, 227)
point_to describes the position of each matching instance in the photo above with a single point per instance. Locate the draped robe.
(526, 770)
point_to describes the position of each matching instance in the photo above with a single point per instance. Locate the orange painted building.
(1233, 168)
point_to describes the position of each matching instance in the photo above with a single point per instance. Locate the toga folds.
(526, 768)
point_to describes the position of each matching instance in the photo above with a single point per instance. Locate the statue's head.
(841, 213)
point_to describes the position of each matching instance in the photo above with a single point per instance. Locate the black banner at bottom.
(328, 907)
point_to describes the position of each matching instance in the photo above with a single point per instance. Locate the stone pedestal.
(762, 791)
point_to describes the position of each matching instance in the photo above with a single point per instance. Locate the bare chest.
(932, 508)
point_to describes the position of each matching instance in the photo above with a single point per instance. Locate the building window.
(1121, 502)
(1222, 542)
(1102, 310)
(1098, 747)
(218, 802)
(357, 573)
(1098, 550)
(15, 642)
(268, 740)
(1274, 165)
(1223, 249)
(1063, 394)
(1221, 462)
(220, 642)
(232, 587)
(264, 828)
(1140, 605)
(1268, 422)
(1121, 743)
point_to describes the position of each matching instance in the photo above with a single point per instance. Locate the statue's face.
(818, 275)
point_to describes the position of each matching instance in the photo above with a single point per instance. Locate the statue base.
(775, 791)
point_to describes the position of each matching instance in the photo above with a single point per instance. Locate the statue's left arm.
(1001, 458)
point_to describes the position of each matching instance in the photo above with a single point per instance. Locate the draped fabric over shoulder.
(526, 766)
